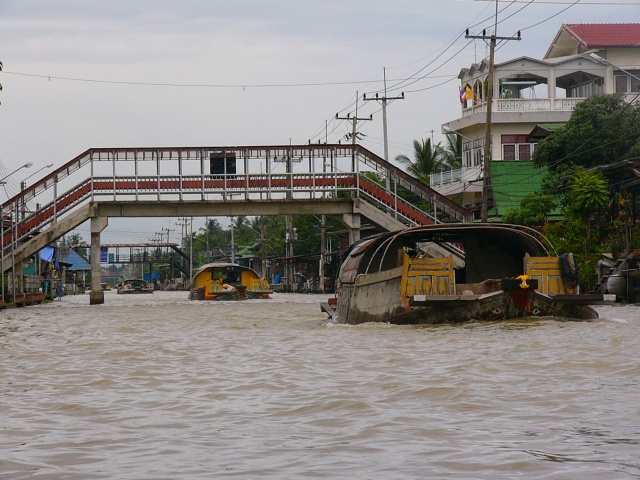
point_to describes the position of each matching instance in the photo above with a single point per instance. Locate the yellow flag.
(468, 91)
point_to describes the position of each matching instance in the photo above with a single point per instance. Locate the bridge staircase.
(318, 175)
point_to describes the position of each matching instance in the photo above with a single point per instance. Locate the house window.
(627, 83)
(508, 152)
(524, 151)
(472, 152)
(515, 147)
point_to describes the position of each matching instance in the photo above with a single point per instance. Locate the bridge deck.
(254, 176)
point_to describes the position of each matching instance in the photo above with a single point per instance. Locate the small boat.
(228, 281)
(450, 273)
(134, 285)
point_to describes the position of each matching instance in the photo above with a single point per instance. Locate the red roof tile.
(593, 35)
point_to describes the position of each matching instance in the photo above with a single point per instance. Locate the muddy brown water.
(157, 387)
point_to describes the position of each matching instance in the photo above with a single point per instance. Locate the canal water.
(157, 387)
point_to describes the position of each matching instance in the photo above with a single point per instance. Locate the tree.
(588, 201)
(588, 195)
(72, 241)
(426, 160)
(452, 153)
(533, 211)
(213, 234)
(602, 130)
(243, 233)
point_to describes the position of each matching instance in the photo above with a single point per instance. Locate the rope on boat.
(569, 271)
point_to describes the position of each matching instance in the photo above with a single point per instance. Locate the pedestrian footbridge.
(214, 181)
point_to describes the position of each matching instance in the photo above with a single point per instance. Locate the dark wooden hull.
(496, 306)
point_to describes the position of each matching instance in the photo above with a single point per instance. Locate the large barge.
(456, 273)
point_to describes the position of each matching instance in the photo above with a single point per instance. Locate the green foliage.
(266, 234)
(375, 177)
(571, 236)
(533, 210)
(588, 195)
(452, 154)
(73, 240)
(602, 130)
(426, 160)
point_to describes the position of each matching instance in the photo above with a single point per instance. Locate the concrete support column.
(551, 86)
(352, 221)
(96, 296)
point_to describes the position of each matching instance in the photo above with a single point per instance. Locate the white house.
(537, 95)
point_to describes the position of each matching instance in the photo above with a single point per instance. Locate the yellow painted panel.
(427, 276)
(547, 271)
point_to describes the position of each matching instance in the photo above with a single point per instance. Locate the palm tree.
(452, 154)
(72, 241)
(426, 160)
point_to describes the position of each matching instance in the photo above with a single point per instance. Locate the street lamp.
(26, 165)
(23, 185)
(448, 130)
(2, 182)
(24, 181)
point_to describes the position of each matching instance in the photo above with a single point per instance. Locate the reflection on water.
(155, 386)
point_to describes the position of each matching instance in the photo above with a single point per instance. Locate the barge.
(228, 281)
(450, 273)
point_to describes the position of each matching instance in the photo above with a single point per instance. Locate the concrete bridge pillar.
(352, 221)
(96, 296)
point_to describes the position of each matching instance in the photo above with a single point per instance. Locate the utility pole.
(354, 133)
(167, 230)
(486, 161)
(183, 222)
(323, 251)
(384, 100)
(233, 242)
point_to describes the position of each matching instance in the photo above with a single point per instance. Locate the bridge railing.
(186, 173)
(442, 207)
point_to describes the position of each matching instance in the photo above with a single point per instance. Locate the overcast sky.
(123, 73)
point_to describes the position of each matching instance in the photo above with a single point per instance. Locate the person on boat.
(228, 288)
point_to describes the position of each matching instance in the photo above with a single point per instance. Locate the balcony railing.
(464, 175)
(526, 105)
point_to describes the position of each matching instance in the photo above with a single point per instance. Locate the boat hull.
(134, 287)
(504, 272)
(495, 306)
(228, 281)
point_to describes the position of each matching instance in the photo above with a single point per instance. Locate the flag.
(463, 96)
(468, 92)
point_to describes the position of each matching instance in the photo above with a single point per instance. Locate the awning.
(543, 130)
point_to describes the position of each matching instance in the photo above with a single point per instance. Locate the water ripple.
(160, 387)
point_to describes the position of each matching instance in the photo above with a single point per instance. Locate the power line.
(354, 133)
(556, 2)
(384, 100)
(193, 85)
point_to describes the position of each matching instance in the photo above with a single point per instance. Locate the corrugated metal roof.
(514, 180)
(76, 261)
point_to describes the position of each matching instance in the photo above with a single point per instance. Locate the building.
(531, 99)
